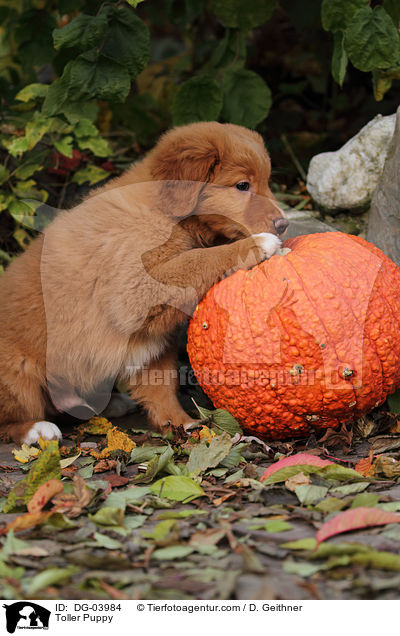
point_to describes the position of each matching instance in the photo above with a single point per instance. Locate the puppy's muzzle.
(281, 225)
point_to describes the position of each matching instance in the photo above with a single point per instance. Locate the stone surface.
(346, 179)
(384, 218)
(301, 222)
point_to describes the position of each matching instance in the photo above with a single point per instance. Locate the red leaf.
(354, 519)
(301, 459)
(116, 480)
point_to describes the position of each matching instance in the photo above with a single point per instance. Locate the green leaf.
(208, 454)
(57, 94)
(26, 170)
(339, 58)
(155, 466)
(86, 472)
(331, 504)
(108, 516)
(310, 494)
(97, 145)
(180, 514)
(230, 51)
(243, 15)
(336, 15)
(11, 545)
(247, 98)
(85, 128)
(93, 75)
(134, 3)
(172, 552)
(32, 91)
(394, 402)
(366, 499)
(302, 569)
(276, 525)
(65, 146)
(371, 40)
(102, 541)
(198, 99)
(145, 453)
(392, 7)
(234, 456)
(133, 495)
(48, 577)
(4, 174)
(127, 41)
(222, 419)
(10, 573)
(301, 544)
(46, 467)
(91, 174)
(83, 32)
(350, 489)
(177, 488)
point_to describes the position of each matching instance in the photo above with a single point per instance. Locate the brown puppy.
(101, 293)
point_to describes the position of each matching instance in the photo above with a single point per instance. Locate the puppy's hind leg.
(22, 415)
(156, 389)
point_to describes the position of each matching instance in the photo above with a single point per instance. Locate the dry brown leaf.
(72, 504)
(297, 480)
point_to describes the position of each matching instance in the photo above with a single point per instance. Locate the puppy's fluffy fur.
(102, 292)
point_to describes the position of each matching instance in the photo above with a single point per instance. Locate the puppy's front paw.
(47, 430)
(269, 243)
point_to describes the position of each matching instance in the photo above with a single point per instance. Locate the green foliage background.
(87, 86)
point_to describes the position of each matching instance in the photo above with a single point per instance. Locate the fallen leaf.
(64, 463)
(364, 465)
(105, 464)
(211, 536)
(97, 426)
(177, 488)
(26, 453)
(46, 467)
(300, 479)
(28, 520)
(208, 454)
(43, 494)
(206, 433)
(72, 504)
(301, 459)
(117, 480)
(116, 441)
(334, 437)
(354, 519)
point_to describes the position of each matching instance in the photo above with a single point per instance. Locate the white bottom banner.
(182, 617)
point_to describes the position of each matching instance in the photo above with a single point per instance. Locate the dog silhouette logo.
(26, 615)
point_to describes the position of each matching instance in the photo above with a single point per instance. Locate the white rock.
(346, 179)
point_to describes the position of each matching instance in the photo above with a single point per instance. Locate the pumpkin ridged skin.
(303, 341)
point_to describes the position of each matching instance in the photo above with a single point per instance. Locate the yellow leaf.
(25, 453)
(206, 433)
(98, 426)
(117, 440)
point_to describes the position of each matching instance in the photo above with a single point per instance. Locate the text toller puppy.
(101, 294)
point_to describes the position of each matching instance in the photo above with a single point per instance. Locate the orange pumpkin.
(303, 341)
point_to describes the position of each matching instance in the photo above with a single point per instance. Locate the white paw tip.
(269, 243)
(46, 430)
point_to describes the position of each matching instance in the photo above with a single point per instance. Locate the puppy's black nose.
(281, 224)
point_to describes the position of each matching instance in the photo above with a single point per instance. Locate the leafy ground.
(118, 512)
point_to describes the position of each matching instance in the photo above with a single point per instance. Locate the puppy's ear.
(186, 162)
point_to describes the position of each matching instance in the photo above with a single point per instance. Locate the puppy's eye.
(243, 186)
